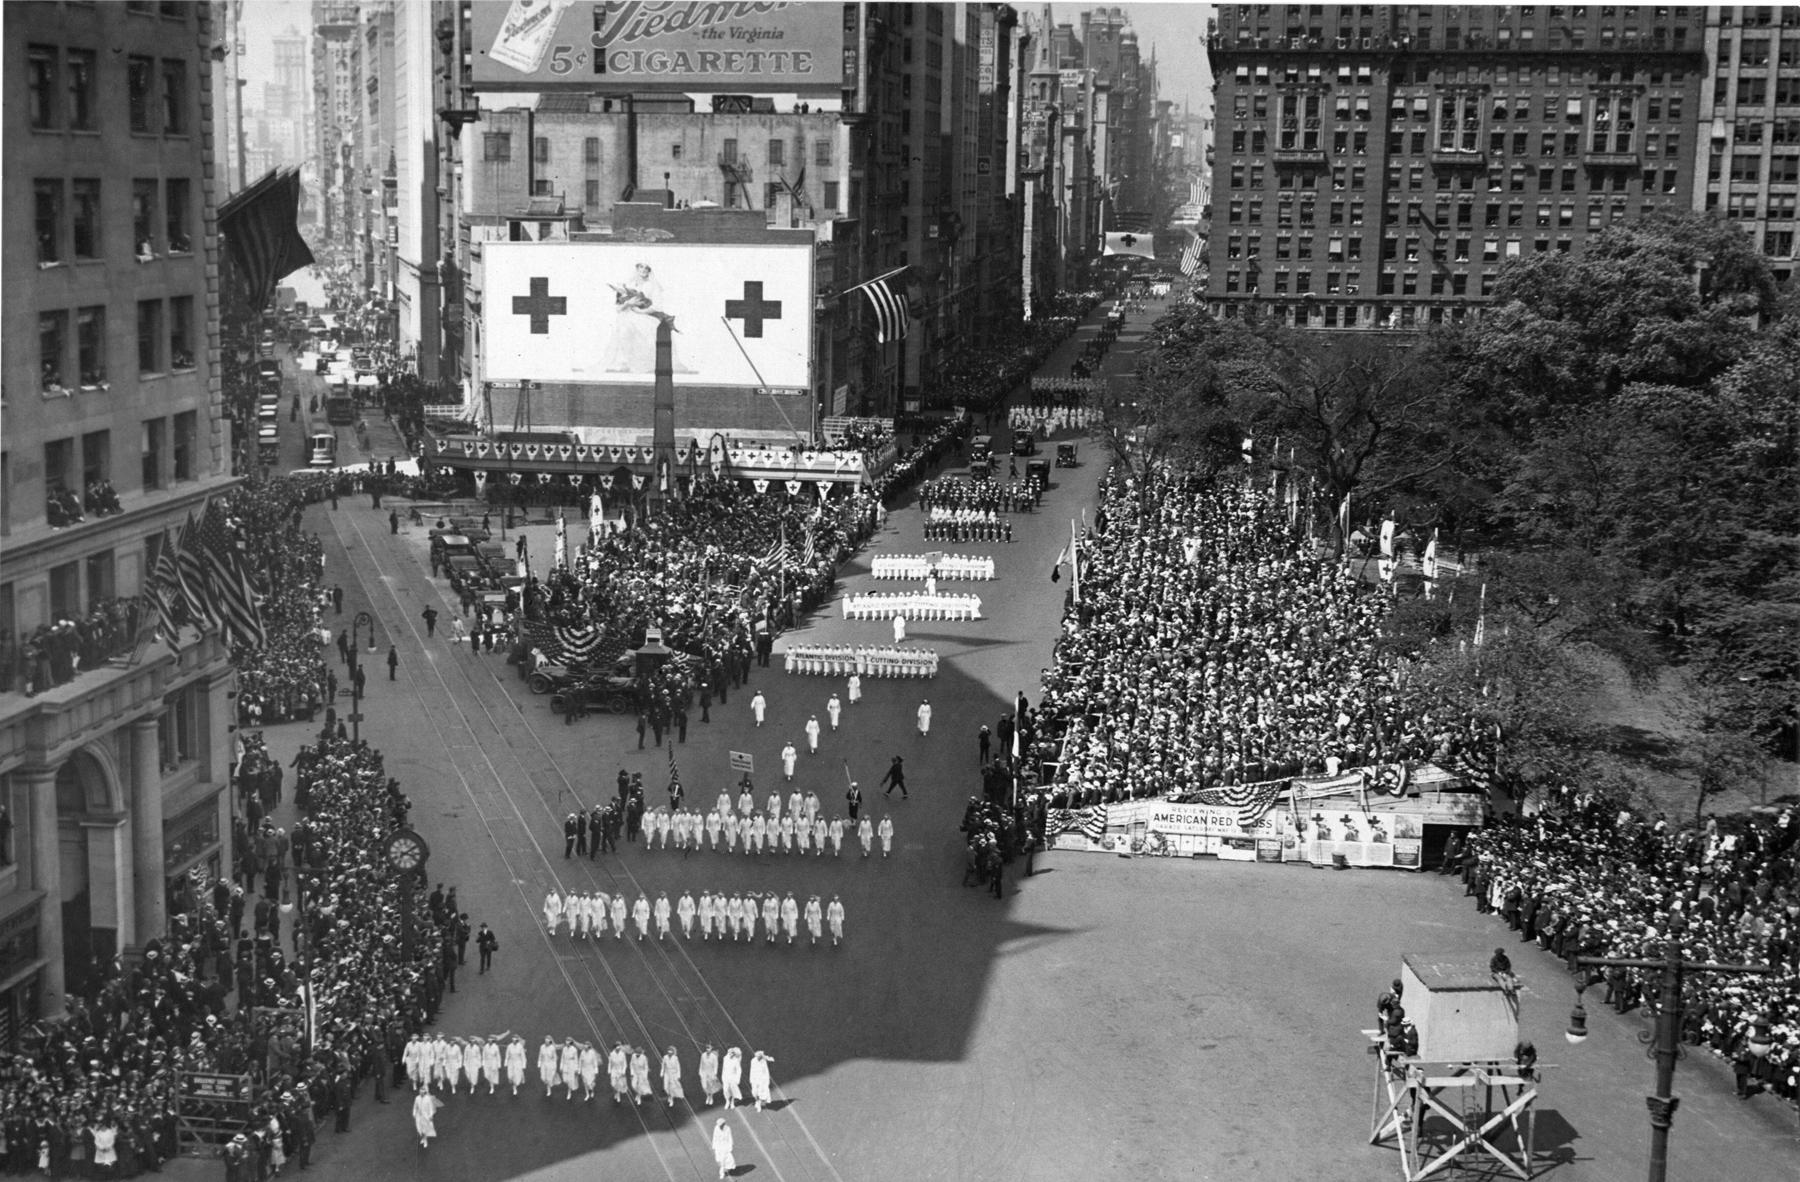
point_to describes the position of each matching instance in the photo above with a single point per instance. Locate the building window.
(149, 335)
(181, 332)
(86, 219)
(777, 153)
(47, 211)
(1745, 168)
(174, 97)
(540, 188)
(65, 591)
(728, 151)
(822, 152)
(59, 460)
(591, 195)
(90, 344)
(176, 217)
(96, 458)
(100, 579)
(186, 439)
(496, 145)
(53, 346)
(590, 150)
(152, 443)
(40, 86)
(143, 218)
(79, 69)
(139, 72)
(540, 150)
(831, 194)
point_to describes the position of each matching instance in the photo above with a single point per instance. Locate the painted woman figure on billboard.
(637, 309)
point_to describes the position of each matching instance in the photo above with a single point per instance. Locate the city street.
(1141, 1019)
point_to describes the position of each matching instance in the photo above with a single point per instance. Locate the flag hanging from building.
(259, 229)
(1190, 258)
(228, 583)
(891, 321)
(165, 591)
(190, 577)
(1127, 242)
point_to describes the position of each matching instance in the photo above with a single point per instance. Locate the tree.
(1177, 410)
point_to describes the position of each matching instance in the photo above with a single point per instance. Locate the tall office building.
(1376, 164)
(335, 111)
(1750, 119)
(113, 747)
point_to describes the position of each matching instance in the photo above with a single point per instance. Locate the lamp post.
(356, 629)
(1665, 1041)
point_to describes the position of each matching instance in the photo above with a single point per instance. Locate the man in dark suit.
(570, 832)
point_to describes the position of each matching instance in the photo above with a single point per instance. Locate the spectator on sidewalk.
(393, 660)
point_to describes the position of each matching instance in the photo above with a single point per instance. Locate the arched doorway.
(96, 873)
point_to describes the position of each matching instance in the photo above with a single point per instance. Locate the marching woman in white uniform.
(618, 915)
(925, 716)
(899, 628)
(815, 918)
(640, 1076)
(411, 1058)
(515, 1063)
(790, 917)
(490, 1062)
(834, 709)
(671, 1077)
(771, 916)
(706, 915)
(617, 1064)
(471, 1063)
(590, 1069)
(886, 832)
(854, 690)
(709, 1073)
(571, 1067)
(684, 911)
(640, 915)
(789, 757)
(721, 1145)
(834, 915)
(662, 916)
(552, 911)
(731, 1075)
(546, 1065)
(425, 1106)
(866, 833)
(759, 1079)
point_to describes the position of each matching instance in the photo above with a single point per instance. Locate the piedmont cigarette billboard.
(587, 312)
(686, 45)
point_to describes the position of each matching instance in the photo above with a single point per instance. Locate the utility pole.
(1665, 1046)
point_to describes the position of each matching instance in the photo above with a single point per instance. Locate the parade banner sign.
(639, 45)
(1156, 828)
(588, 313)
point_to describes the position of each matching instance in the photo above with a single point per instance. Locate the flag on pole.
(228, 583)
(776, 554)
(674, 774)
(1190, 258)
(891, 322)
(190, 577)
(259, 228)
(165, 591)
(807, 551)
(1481, 617)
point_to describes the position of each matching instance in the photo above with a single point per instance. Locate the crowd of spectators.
(55, 654)
(1585, 877)
(1211, 646)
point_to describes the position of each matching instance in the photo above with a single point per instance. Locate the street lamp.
(1665, 1043)
(356, 629)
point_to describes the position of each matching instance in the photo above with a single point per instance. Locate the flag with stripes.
(165, 591)
(567, 643)
(190, 578)
(1252, 801)
(777, 553)
(1093, 825)
(259, 229)
(674, 773)
(807, 551)
(891, 322)
(1190, 258)
(228, 583)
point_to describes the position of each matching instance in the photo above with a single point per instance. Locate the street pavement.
(1110, 1018)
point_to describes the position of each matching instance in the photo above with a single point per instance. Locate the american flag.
(777, 553)
(228, 581)
(564, 643)
(259, 228)
(1252, 801)
(674, 772)
(891, 321)
(190, 577)
(806, 552)
(1190, 258)
(1093, 826)
(165, 589)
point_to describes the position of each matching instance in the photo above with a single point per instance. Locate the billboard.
(587, 313)
(682, 45)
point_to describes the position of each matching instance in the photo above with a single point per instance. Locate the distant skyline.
(263, 21)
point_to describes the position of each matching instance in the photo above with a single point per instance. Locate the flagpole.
(1074, 562)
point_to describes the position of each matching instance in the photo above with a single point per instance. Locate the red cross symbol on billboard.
(753, 309)
(540, 305)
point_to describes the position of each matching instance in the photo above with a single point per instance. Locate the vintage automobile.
(1065, 456)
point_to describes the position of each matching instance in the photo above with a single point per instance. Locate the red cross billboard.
(583, 316)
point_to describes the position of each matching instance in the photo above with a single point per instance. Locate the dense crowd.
(1211, 647)
(95, 1094)
(1587, 878)
(55, 654)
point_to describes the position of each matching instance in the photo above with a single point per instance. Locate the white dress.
(731, 1076)
(546, 1065)
(515, 1062)
(759, 1080)
(722, 1148)
(671, 1076)
(425, 1106)
(709, 1073)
